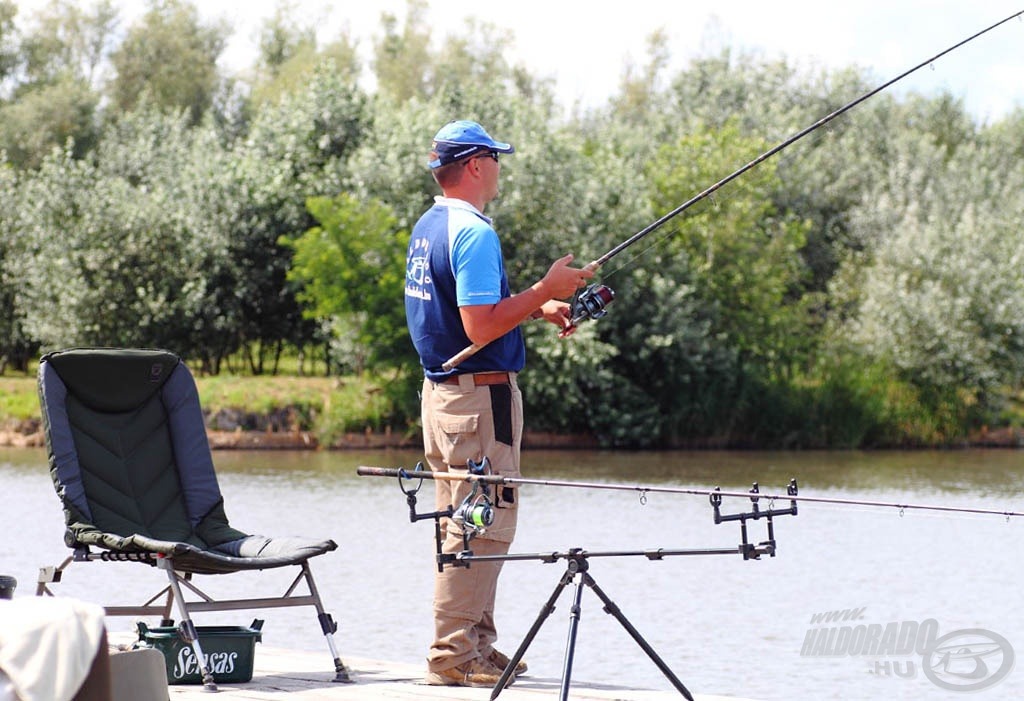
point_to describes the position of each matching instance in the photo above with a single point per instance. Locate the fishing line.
(792, 139)
(715, 203)
(591, 303)
(950, 515)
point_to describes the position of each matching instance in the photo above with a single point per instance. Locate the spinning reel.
(590, 303)
(476, 512)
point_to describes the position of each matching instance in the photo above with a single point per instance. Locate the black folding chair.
(132, 466)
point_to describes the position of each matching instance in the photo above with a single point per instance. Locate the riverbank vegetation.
(305, 411)
(863, 288)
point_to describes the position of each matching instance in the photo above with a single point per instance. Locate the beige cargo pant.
(463, 422)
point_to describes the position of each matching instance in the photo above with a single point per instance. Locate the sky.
(584, 45)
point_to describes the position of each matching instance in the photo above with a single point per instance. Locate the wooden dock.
(280, 674)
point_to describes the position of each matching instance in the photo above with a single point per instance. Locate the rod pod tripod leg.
(578, 565)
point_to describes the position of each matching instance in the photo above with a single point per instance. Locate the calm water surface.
(724, 626)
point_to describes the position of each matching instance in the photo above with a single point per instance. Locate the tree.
(8, 40)
(402, 62)
(940, 294)
(282, 39)
(67, 41)
(106, 262)
(16, 347)
(639, 86)
(745, 254)
(170, 55)
(296, 149)
(128, 247)
(352, 270)
(289, 56)
(54, 82)
(49, 116)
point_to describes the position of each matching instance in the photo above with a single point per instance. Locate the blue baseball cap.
(461, 138)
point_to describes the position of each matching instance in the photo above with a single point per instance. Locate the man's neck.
(471, 195)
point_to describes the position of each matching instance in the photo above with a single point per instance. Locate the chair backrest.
(127, 447)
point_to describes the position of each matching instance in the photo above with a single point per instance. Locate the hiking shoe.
(476, 672)
(501, 660)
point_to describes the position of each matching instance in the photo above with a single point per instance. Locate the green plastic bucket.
(229, 651)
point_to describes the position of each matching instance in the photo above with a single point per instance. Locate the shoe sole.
(434, 679)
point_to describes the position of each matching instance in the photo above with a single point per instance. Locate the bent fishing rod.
(713, 494)
(591, 302)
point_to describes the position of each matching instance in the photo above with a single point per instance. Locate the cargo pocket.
(457, 438)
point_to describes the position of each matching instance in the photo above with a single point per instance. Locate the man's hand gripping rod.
(588, 303)
(599, 296)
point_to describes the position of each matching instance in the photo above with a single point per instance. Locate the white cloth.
(6, 688)
(47, 645)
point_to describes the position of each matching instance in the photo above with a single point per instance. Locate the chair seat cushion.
(258, 546)
(253, 553)
(250, 553)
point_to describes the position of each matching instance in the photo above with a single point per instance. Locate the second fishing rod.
(591, 302)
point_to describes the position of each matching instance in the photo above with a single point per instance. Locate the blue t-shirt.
(455, 260)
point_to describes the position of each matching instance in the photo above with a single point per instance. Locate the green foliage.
(19, 399)
(352, 269)
(289, 55)
(8, 45)
(744, 253)
(169, 55)
(48, 117)
(406, 68)
(356, 406)
(53, 72)
(296, 149)
(402, 60)
(841, 402)
(106, 258)
(939, 295)
(16, 347)
(861, 288)
(67, 42)
(282, 38)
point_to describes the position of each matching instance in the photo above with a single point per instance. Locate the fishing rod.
(591, 302)
(713, 494)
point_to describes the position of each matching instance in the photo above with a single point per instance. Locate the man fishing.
(457, 293)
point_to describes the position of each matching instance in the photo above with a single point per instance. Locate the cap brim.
(475, 148)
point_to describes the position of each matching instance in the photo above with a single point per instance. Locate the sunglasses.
(487, 154)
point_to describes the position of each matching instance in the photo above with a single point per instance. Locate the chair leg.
(328, 626)
(51, 575)
(187, 629)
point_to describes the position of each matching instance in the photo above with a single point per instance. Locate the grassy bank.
(327, 407)
(350, 411)
(19, 400)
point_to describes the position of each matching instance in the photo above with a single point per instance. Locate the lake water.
(750, 629)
